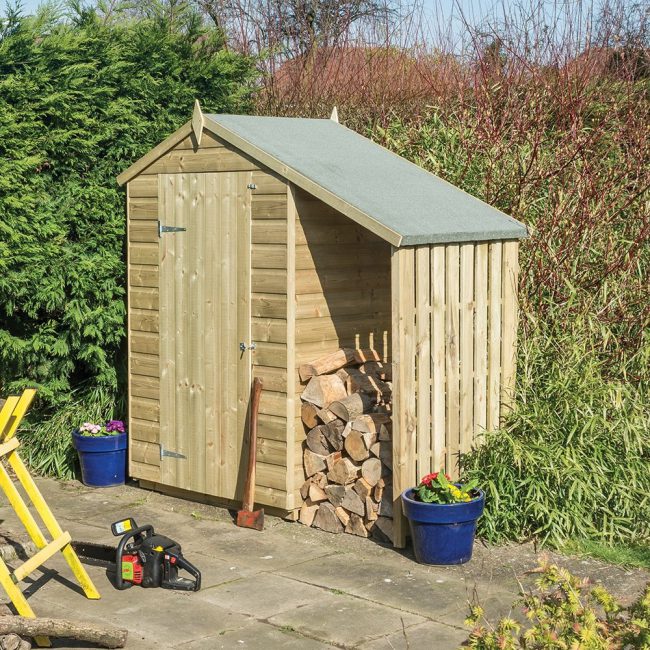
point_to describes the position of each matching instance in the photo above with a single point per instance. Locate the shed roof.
(396, 199)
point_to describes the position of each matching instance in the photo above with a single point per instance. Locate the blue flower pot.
(102, 459)
(442, 533)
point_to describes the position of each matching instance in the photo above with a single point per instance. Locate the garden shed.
(257, 244)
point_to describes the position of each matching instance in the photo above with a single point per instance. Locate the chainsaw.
(142, 557)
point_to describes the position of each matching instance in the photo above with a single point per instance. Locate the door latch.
(243, 347)
(162, 229)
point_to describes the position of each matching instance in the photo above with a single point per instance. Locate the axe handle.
(249, 488)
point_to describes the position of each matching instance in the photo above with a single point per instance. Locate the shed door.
(204, 315)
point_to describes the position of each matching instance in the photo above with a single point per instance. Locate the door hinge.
(167, 453)
(162, 229)
(243, 347)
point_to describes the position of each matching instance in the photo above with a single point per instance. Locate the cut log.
(322, 391)
(357, 382)
(355, 445)
(327, 363)
(386, 504)
(102, 635)
(344, 471)
(343, 515)
(332, 458)
(319, 478)
(361, 356)
(385, 433)
(317, 442)
(14, 642)
(308, 415)
(385, 525)
(313, 462)
(372, 509)
(386, 454)
(326, 416)
(334, 434)
(317, 494)
(351, 406)
(370, 422)
(304, 489)
(335, 494)
(353, 502)
(371, 470)
(327, 519)
(363, 488)
(356, 526)
(379, 489)
(308, 511)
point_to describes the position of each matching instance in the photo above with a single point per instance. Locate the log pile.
(347, 453)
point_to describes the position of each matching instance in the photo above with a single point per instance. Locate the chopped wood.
(322, 391)
(361, 356)
(308, 511)
(347, 429)
(356, 381)
(386, 504)
(383, 371)
(385, 433)
(313, 462)
(304, 489)
(308, 415)
(332, 458)
(379, 489)
(105, 636)
(351, 406)
(353, 502)
(317, 494)
(385, 525)
(327, 519)
(325, 415)
(375, 449)
(355, 445)
(386, 454)
(319, 478)
(371, 470)
(327, 363)
(343, 515)
(317, 442)
(343, 471)
(370, 422)
(356, 526)
(334, 433)
(372, 509)
(335, 494)
(363, 488)
(14, 642)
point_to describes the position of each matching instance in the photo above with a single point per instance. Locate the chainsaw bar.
(96, 554)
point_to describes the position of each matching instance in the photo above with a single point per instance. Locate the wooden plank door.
(204, 315)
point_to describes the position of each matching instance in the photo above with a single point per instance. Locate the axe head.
(251, 519)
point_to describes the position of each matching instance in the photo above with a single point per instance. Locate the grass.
(632, 555)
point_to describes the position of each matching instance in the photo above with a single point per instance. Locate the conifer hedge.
(81, 98)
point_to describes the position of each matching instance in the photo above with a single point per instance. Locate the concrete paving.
(286, 587)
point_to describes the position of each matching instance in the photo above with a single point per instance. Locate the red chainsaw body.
(132, 569)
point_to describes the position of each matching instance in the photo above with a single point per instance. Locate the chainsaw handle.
(119, 583)
(182, 563)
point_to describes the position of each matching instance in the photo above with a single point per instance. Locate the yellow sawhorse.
(11, 415)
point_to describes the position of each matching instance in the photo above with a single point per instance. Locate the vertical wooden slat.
(423, 359)
(403, 331)
(452, 318)
(509, 320)
(480, 336)
(494, 336)
(466, 346)
(241, 211)
(438, 442)
(212, 428)
(291, 486)
(128, 328)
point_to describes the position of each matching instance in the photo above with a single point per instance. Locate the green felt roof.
(407, 204)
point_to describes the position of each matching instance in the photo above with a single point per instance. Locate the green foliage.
(629, 555)
(438, 488)
(565, 612)
(81, 98)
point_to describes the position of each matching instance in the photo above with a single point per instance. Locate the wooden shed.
(256, 244)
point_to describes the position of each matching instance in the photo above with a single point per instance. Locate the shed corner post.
(403, 360)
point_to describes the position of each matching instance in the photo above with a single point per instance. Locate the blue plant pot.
(102, 459)
(442, 533)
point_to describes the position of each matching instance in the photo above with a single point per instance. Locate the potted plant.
(102, 452)
(442, 516)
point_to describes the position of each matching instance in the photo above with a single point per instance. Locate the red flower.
(426, 480)
(448, 477)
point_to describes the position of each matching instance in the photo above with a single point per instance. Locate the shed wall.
(342, 292)
(268, 309)
(454, 331)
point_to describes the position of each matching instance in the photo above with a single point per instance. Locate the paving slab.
(345, 620)
(427, 636)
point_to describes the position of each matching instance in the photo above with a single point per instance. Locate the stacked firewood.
(347, 457)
